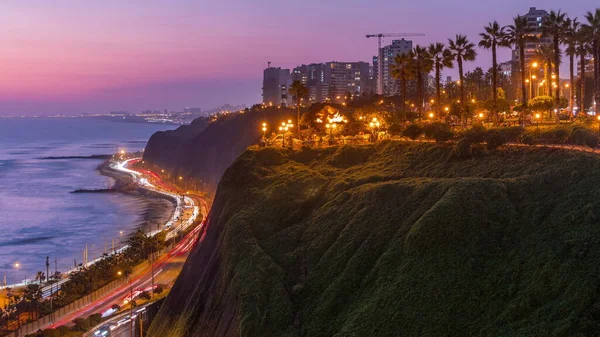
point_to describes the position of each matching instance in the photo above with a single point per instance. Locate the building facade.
(346, 78)
(383, 65)
(535, 18)
(275, 86)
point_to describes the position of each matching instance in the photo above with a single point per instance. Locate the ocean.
(39, 216)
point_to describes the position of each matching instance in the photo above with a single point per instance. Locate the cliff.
(202, 151)
(395, 240)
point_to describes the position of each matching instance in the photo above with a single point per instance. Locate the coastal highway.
(167, 267)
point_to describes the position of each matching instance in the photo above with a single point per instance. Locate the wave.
(25, 241)
(94, 156)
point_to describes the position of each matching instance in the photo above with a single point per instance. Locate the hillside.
(203, 151)
(396, 240)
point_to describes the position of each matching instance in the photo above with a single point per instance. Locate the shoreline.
(158, 208)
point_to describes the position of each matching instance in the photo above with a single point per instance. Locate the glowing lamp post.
(283, 129)
(537, 121)
(330, 127)
(374, 125)
(264, 130)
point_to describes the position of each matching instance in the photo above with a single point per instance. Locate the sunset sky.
(83, 56)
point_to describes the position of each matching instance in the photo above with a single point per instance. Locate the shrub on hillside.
(462, 149)
(81, 324)
(440, 132)
(583, 136)
(51, 333)
(475, 134)
(395, 129)
(495, 138)
(542, 103)
(95, 319)
(413, 131)
(63, 330)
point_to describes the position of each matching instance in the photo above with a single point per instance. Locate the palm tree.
(423, 65)
(571, 40)
(545, 53)
(593, 31)
(442, 58)
(403, 70)
(494, 37)
(299, 91)
(40, 276)
(583, 48)
(554, 26)
(462, 50)
(518, 34)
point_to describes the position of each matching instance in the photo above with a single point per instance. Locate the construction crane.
(379, 56)
(380, 35)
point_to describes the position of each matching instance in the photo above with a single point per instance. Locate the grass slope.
(396, 240)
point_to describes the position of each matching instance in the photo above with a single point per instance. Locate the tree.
(542, 103)
(545, 53)
(554, 25)
(462, 50)
(592, 29)
(40, 276)
(299, 91)
(423, 65)
(403, 70)
(582, 50)
(518, 34)
(494, 37)
(571, 40)
(442, 58)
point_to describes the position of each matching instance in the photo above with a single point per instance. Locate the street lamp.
(284, 128)
(374, 125)
(537, 121)
(431, 115)
(532, 77)
(264, 129)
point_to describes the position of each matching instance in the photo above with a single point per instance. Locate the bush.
(81, 324)
(95, 319)
(583, 136)
(495, 138)
(475, 134)
(462, 149)
(51, 333)
(145, 295)
(63, 330)
(554, 135)
(440, 132)
(413, 131)
(542, 103)
(395, 129)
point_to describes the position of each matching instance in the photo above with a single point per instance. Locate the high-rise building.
(535, 18)
(505, 68)
(275, 86)
(346, 78)
(383, 64)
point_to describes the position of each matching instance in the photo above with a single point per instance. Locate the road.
(167, 267)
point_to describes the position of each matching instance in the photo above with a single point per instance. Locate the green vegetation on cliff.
(396, 239)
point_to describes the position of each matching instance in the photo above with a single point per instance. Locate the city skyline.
(72, 58)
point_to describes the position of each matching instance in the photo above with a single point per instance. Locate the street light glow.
(431, 115)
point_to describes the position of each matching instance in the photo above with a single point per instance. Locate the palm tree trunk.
(438, 89)
(523, 83)
(298, 103)
(557, 70)
(596, 50)
(571, 82)
(494, 83)
(549, 78)
(420, 91)
(403, 88)
(582, 84)
(462, 90)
